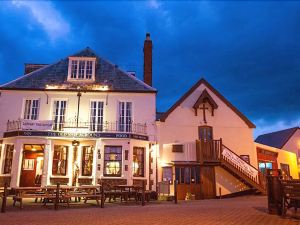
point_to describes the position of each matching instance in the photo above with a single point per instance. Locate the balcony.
(80, 126)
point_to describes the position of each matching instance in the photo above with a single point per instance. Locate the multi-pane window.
(60, 160)
(87, 160)
(187, 175)
(89, 69)
(96, 116)
(31, 110)
(81, 69)
(59, 111)
(74, 66)
(113, 161)
(138, 161)
(9, 152)
(263, 166)
(125, 116)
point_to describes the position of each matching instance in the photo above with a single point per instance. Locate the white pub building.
(78, 121)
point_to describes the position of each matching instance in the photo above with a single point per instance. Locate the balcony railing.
(136, 128)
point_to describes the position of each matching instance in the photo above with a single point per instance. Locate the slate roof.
(57, 73)
(276, 139)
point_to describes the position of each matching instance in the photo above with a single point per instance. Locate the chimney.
(29, 67)
(148, 60)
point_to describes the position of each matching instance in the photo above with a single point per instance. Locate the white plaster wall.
(144, 108)
(181, 126)
(293, 144)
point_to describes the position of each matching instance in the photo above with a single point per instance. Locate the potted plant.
(189, 196)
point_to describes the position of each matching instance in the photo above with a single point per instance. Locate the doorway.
(32, 165)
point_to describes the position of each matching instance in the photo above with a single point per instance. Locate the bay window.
(138, 161)
(9, 153)
(113, 161)
(60, 160)
(87, 160)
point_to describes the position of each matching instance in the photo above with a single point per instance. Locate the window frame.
(124, 120)
(86, 69)
(95, 127)
(9, 148)
(27, 112)
(120, 161)
(85, 161)
(56, 173)
(60, 124)
(141, 164)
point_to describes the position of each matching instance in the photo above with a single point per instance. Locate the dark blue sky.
(249, 51)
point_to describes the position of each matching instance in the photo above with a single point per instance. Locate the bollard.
(3, 208)
(175, 191)
(102, 196)
(143, 193)
(56, 197)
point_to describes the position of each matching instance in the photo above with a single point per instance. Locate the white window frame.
(59, 120)
(29, 115)
(103, 115)
(84, 78)
(125, 127)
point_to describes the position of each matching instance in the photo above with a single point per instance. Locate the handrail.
(106, 126)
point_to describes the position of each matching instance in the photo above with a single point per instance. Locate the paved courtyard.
(242, 210)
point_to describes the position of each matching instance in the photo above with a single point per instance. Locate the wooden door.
(188, 178)
(28, 172)
(208, 182)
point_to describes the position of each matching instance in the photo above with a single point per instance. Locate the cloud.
(47, 16)
(154, 4)
(263, 126)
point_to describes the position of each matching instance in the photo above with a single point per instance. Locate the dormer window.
(81, 69)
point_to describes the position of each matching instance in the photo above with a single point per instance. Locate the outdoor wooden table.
(127, 191)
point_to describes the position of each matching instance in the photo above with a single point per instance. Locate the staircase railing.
(239, 164)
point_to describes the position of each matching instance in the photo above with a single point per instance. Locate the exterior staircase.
(216, 154)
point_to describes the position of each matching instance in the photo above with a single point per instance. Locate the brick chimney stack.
(148, 60)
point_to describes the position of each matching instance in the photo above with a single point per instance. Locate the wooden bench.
(291, 195)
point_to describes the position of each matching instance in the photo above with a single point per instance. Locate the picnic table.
(59, 193)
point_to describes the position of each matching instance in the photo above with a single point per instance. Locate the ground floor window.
(285, 168)
(263, 166)
(60, 160)
(9, 152)
(187, 175)
(113, 161)
(167, 174)
(87, 160)
(138, 161)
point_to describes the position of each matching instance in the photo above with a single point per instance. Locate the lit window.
(31, 109)
(9, 152)
(87, 160)
(81, 69)
(113, 161)
(138, 161)
(60, 160)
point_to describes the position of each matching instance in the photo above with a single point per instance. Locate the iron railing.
(137, 128)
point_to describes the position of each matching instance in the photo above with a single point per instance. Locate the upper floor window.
(125, 116)
(96, 116)
(58, 115)
(81, 69)
(31, 109)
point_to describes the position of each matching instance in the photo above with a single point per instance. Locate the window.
(59, 110)
(188, 175)
(28, 164)
(96, 117)
(112, 161)
(177, 148)
(167, 174)
(285, 169)
(205, 133)
(9, 152)
(60, 160)
(138, 161)
(263, 166)
(31, 109)
(81, 69)
(87, 160)
(125, 116)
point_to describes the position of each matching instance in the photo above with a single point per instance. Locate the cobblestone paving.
(249, 210)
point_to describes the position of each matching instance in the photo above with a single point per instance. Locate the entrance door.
(32, 166)
(208, 182)
(188, 178)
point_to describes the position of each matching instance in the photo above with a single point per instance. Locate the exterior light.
(103, 88)
(75, 143)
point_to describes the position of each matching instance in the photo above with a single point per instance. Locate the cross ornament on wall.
(204, 114)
